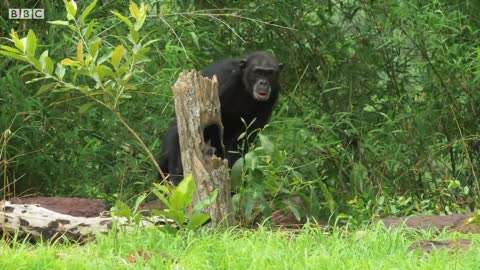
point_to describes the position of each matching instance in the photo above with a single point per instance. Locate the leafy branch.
(106, 72)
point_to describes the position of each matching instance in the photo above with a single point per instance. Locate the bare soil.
(77, 207)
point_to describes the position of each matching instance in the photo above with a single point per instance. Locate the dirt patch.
(152, 205)
(147, 255)
(457, 222)
(77, 207)
(428, 246)
(285, 218)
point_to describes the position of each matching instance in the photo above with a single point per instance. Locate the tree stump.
(197, 106)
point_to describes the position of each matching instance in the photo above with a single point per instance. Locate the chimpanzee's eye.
(262, 72)
(258, 71)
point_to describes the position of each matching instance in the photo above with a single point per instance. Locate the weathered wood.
(41, 223)
(197, 106)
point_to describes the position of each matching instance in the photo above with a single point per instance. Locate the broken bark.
(197, 106)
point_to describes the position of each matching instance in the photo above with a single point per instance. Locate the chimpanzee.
(248, 90)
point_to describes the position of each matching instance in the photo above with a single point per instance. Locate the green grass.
(372, 248)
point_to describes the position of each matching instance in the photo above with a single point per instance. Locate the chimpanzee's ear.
(280, 67)
(243, 63)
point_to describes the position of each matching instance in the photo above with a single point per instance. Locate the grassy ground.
(371, 248)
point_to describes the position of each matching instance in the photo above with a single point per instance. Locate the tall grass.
(372, 247)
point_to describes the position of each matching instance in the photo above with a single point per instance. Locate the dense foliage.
(378, 114)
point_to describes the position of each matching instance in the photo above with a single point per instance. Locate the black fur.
(248, 89)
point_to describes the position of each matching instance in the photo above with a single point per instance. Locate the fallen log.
(38, 223)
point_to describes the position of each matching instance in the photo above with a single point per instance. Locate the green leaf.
(46, 62)
(36, 80)
(44, 88)
(170, 230)
(197, 220)
(104, 57)
(33, 73)
(117, 55)
(60, 71)
(49, 66)
(162, 188)
(150, 42)
(123, 18)
(85, 89)
(328, 196)
(80, 51)
(97, 79)
(248, 205)
(24, 44)
(295, 208)
(135, 36)
(58, 22)
(69, 62)
(35, 62)
(236, 200)
(121, 210)
(88, 59)
(140, 199)
(94, 46)
(266, 143)
(182, 195)
(242, 135)
(176, 215)
(157, 212)
(207, 202)
(136, 48)
(10, 49)
(14, 55)
(161, 197)
(103, 71)
(71, 9)
(140, 19)
(87, 31)
(133, 9)
(195, 39)
(87, 11)
(63, 89)
(86, 106)
(251, 160)
(18, 43)
(42, 57)
(137, 218)
(236, 174)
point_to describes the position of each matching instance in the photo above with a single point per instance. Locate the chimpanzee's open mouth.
(262, 95)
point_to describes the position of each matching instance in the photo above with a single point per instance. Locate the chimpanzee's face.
(260, 73)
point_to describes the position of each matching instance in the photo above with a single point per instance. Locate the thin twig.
(144, 146)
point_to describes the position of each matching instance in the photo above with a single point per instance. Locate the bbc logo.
(26, 13)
